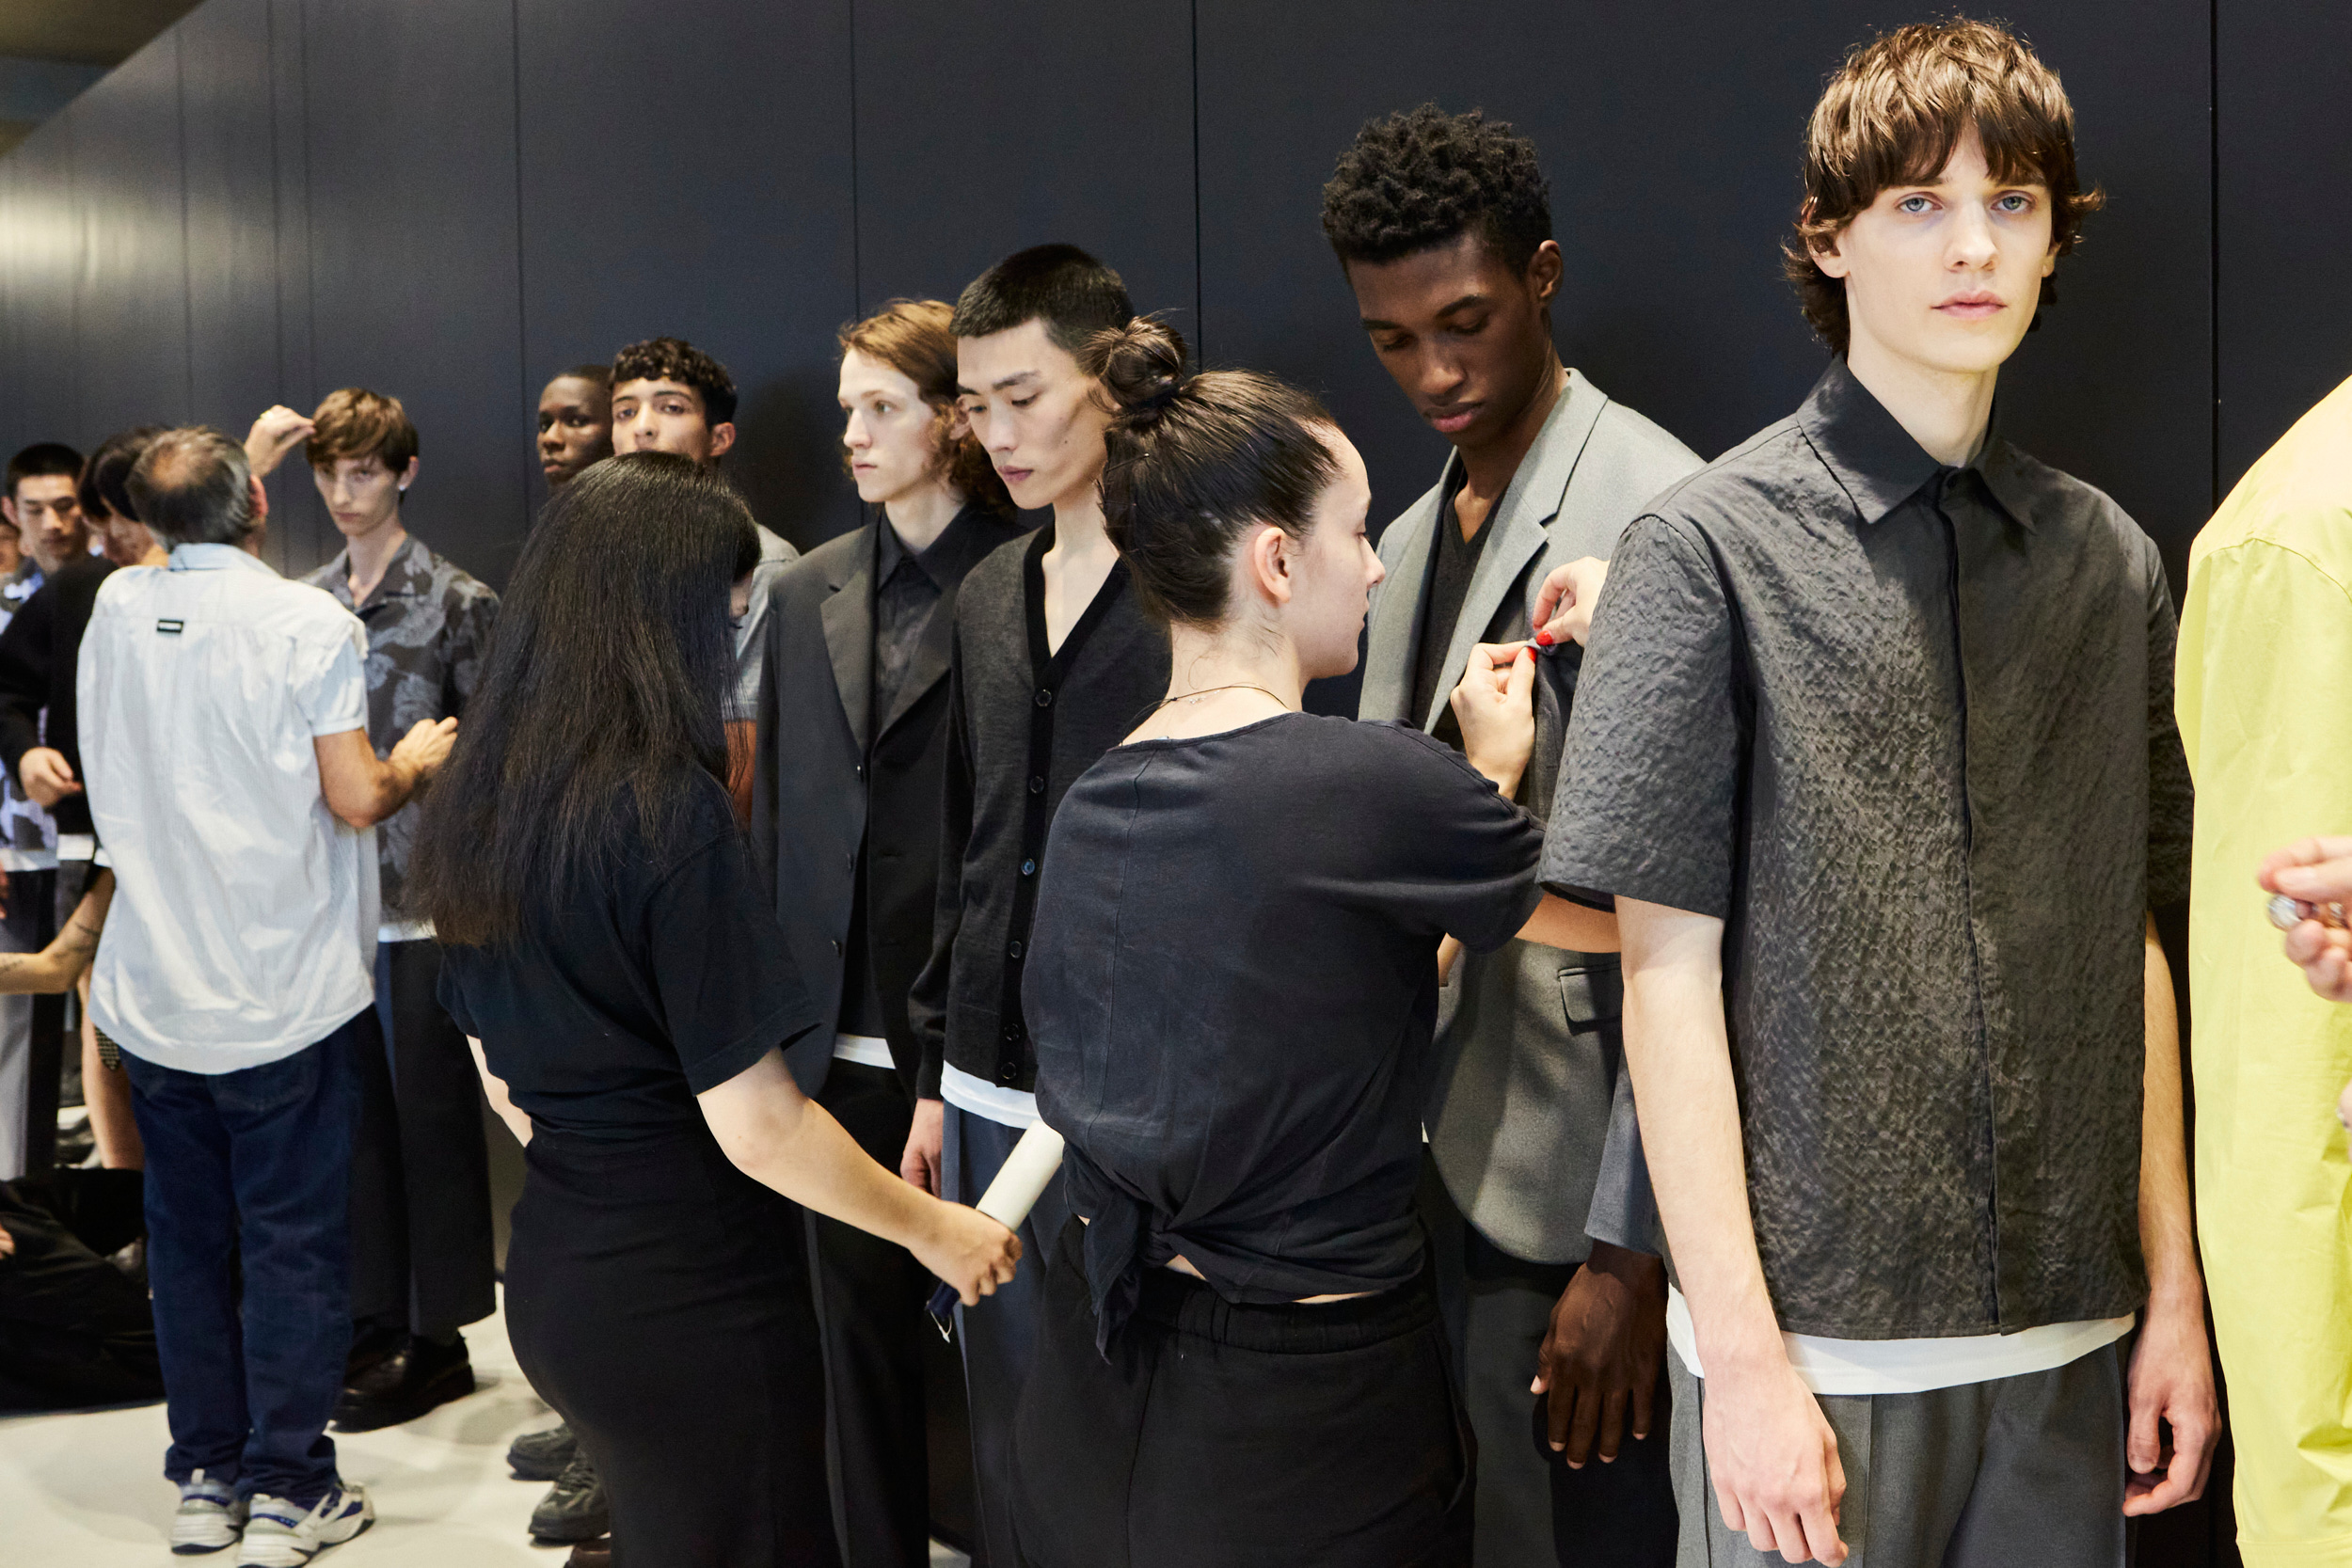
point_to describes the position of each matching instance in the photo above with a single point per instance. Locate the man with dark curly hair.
(1548, 1270)
(1875, 753)
(669, 396)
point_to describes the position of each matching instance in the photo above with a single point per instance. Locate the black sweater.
(38, 655)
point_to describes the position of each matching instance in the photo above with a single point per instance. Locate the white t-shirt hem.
(210, 1061)
(1846, 1367)
(864, 1050)
(978, 1096)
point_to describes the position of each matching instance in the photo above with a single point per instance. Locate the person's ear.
(1824, 249)
(721, 439)
(1543, 271)
(260, 494)
(408, 476)
(1268, 553)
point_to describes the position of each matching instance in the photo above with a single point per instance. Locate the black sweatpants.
(422, 1252)
(1246, 1437)
(869, 1309)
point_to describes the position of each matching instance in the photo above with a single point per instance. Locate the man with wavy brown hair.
(851, 758)
(1874, 751)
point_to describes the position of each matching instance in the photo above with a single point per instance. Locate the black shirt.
(38, 653)
(1022, 725)
(660, 979)
(1235, 991)
(1908, 730)
(1451, 564)
(909, 587)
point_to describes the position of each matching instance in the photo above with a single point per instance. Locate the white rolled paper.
(1027, 1170)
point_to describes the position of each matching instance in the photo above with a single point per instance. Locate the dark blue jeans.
(249, 1182)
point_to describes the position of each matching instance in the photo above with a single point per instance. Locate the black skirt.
(1245, 1436)
(659, 1298)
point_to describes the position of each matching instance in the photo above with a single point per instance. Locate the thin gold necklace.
(1238, 686)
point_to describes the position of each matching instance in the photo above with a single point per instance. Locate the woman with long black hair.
(611, 953)
(1232, 986)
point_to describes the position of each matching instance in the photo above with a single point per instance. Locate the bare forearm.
(2167, 1226)
(1561, 923)
(55, 968)
(803, 1153)
(1678, 1052)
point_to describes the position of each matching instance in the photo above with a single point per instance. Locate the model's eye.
(1024, 403)
(1469, 328)
(1389, 345)
(1913, 204)
(2015, 201)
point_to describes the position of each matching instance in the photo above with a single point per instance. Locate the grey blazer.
(1532, 1121)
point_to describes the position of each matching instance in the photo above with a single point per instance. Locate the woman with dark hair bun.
(629, 995)
(1232, 986)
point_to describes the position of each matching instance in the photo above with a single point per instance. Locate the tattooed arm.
(56, 966)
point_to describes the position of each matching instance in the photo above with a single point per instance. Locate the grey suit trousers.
(2022, 1470)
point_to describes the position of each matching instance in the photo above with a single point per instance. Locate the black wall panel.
(1672, 147)
(44, 248)
(985, 129)
(2284, 131)
(410, 110)
(686, 172)
(301, 534)
(131, 288)
(226, 138)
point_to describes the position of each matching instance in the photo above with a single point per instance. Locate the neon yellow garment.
(2264, 696)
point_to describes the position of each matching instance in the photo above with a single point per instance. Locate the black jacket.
(38, 655)
(830, 775)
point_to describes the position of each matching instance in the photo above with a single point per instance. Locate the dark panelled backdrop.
(452, 199)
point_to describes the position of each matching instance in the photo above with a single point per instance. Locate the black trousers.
(422, 1252)
(659, 1298)
(74, 1330)
(1532, 1510)
(870, 1308)
(1245, 1436)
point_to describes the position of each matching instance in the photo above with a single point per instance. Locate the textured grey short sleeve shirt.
(1908, 730)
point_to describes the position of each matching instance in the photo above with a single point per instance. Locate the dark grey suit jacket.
(1531, 1058)
(829, 774)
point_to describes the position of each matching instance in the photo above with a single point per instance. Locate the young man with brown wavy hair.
(1874, 750)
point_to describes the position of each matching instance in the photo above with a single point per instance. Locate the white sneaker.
(278, 1534)
(209, 1517)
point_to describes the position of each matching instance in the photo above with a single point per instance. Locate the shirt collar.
(936, 561)
(407, 574)
(216, 557)
(1876, 461)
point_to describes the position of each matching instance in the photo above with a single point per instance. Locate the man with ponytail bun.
(1442, 226)
(1051, 660)
(853, 744)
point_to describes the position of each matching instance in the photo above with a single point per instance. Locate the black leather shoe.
(542, 1455)
(417, 1377)
(591, 1554)
(574, 1507)
(371, 1345)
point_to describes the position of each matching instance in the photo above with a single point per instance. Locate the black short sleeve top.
(621, 1001)
(1234, 988)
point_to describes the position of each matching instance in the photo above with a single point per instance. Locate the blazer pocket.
(1592, 994)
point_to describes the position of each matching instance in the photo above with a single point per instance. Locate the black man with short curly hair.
(1442, 224)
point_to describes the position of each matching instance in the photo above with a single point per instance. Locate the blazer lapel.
(1390, 631)
(1522, 529)
(848, 615)
(978, 533)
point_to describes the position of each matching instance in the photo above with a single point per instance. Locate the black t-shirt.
(663, 978)
(1234, 987)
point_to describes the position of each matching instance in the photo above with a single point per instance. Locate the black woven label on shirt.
(170, 629)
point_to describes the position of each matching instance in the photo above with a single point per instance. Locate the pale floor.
(86, 1490)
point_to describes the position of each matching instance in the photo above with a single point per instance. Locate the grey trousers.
(999, 1336)
(1988, 1475)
